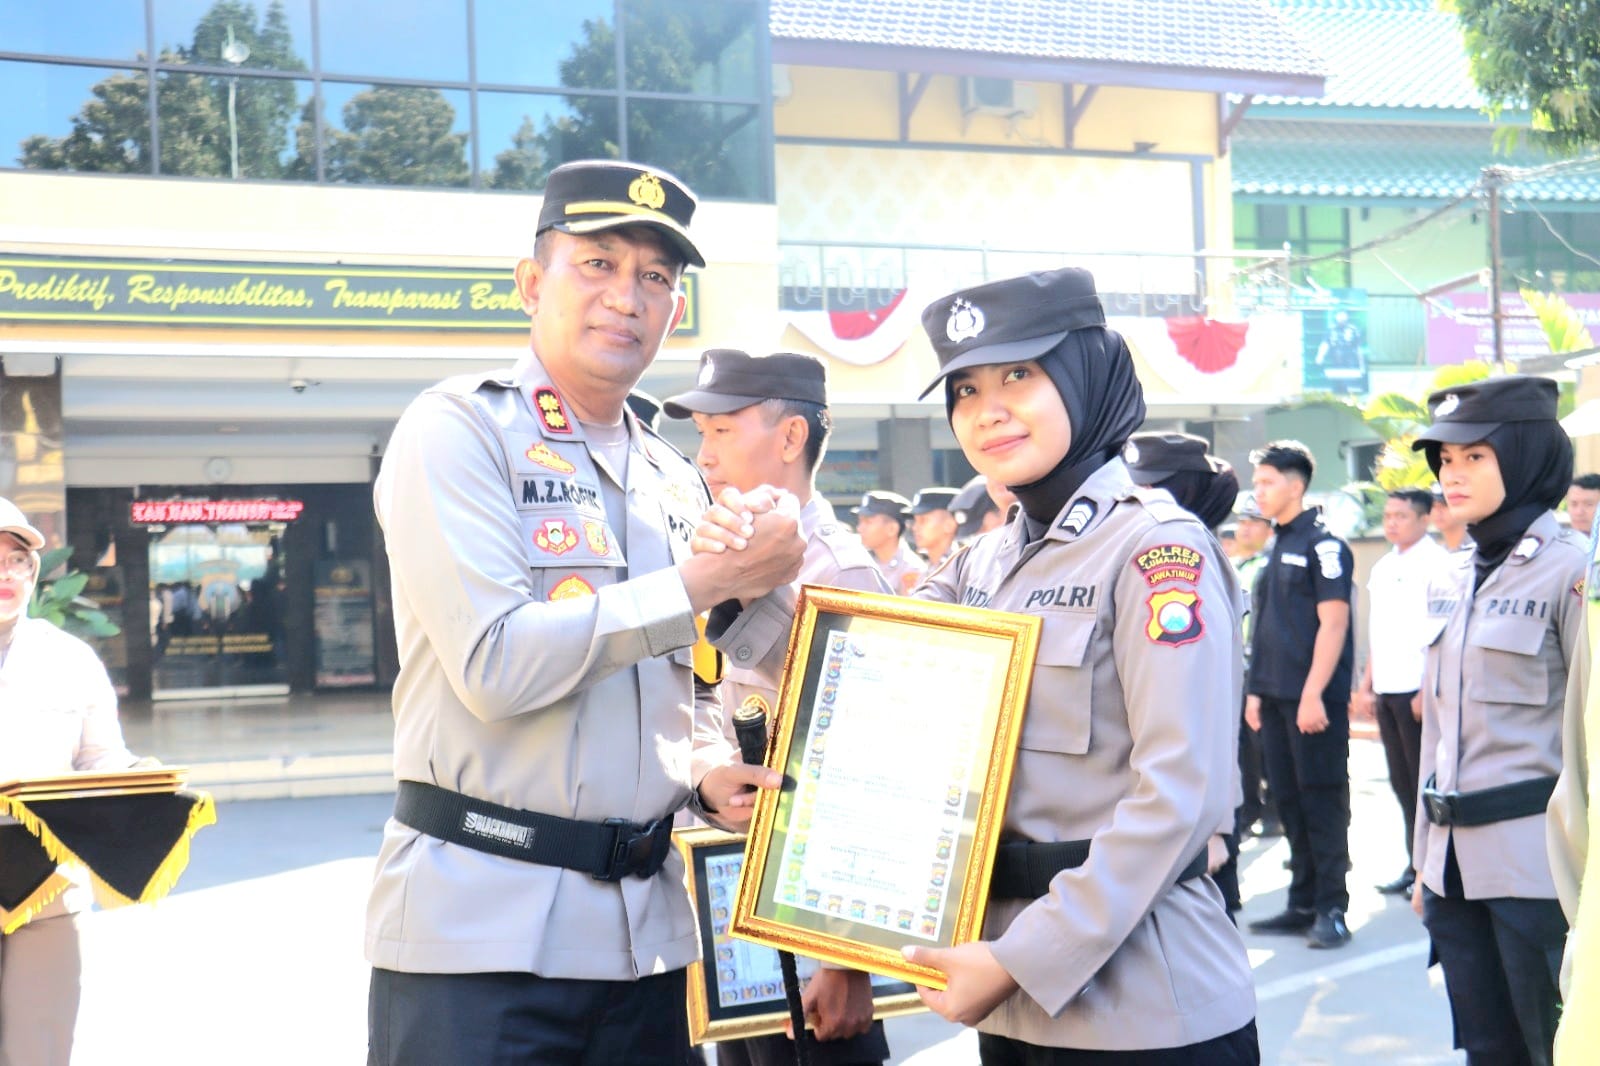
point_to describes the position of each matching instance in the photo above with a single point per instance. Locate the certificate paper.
(897, 729)
(837, 859)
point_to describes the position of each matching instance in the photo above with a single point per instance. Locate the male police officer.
(933, 527)
(1299, 694)
(527, 902)
(881, 524)
(975, 510)
(764, 421)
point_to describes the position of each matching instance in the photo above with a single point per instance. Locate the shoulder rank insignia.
(552, 412)
(542, 454)
(555, 536)
(1174, 617)
(1169, 562)
(1526, 547)
(570, 588)
(1078, 517)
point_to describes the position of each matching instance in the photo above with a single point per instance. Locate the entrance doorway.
(217, 595)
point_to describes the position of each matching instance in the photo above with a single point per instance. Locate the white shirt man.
(1398, 591)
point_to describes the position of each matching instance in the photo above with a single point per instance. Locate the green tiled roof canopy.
(1366, 163)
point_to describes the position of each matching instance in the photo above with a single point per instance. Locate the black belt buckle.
(640, 850)
(1441, 806)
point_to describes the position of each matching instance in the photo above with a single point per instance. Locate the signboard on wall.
(1459, 328)
(103, 291)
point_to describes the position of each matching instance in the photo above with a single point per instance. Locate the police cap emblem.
(1447, 406)
(965, 322)
(646, 191)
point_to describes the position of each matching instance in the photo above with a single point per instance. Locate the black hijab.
(1093, 371)
(1536, 467)
(1209, 495)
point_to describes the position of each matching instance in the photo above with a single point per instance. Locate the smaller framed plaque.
(737, 990)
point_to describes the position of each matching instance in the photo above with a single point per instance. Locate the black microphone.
(750, 727)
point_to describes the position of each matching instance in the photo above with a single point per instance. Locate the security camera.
(299, 384)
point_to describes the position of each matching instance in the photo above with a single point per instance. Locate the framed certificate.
(737, 991)
(897, 728)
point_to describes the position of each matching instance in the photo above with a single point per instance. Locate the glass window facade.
(1308, 229)
(483, 94)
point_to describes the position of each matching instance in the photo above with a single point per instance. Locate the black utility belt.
(1024, 870)
(607, 851)
(1487, 805)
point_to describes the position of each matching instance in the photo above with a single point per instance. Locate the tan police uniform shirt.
(545, 664)
(1493, 691)
(1127, 742)
(905, 561)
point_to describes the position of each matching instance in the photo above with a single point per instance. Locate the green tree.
(397, 135)
(1544, 54)
(524, 165)
(111, 133)
(671, 48)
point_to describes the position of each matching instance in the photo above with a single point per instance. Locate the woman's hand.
(977, 982)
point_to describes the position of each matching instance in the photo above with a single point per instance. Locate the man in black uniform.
(1301, 656)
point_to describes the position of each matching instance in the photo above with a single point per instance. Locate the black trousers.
(1402, 746)
(871, 1048)
(1310, 778)
(1502, 961)
(1238, 1048)
(1251, 771)
(512, 1019)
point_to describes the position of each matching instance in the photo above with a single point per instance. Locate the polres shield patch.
(1174, 617)
(555, 537)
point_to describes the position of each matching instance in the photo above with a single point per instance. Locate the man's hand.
(768, 557)
(730, 523)
(1416, 706)
(723, 791)
(1313, 716)
(1216, 853)
(977, 982)
(1364, 704)
(1252, 712)
(1416, 895)
(838, 1004)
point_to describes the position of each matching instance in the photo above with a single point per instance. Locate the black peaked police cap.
(731, 380)
(1153, 457)
(880, 501)
(1465, 414)
(1011, 320)
(938, 498)
(600, 194)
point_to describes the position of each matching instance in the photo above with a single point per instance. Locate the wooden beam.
(910, 97)
(1072, 110)
(1228, 117)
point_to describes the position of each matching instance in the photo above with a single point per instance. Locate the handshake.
(746, 545)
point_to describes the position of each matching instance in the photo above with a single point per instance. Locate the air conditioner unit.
(997, 96)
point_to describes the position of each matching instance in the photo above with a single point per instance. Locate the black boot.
(1291, 920)
(1329, 930)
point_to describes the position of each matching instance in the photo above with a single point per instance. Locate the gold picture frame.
(736, 991)
(897, 729)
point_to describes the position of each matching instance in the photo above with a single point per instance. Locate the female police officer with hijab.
(1505, 627)
(1104, 940)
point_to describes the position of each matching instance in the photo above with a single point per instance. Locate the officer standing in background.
(975, 510)
(1253, 533)
(881, 525)
(1583, 495)
(764, 421)
(1505, 630)
(527, 903)
(933, 527)
(1206, 487)
(1397, 618)
(1300, 665)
